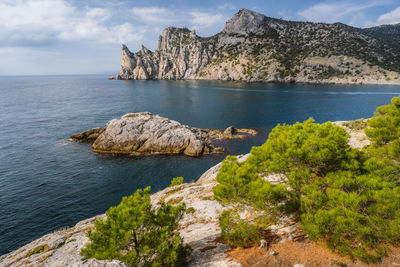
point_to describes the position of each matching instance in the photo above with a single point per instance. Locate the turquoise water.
(47, 182)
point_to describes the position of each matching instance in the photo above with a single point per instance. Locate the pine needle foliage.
(238, 232)
(176, 181)
(348, 197)
(139, 235)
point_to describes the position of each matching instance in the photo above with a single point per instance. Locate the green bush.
(176, 181)
(356, 125)
(319, 148)
(239, 182)
(348, 197)
(237, 232)
(384, 127)
(139, 235)
(355, 214)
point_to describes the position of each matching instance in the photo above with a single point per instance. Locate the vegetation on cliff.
(139, 235)
(238, 232)
(254, 47)
(348, 197)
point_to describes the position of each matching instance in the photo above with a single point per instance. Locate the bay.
(48, 182)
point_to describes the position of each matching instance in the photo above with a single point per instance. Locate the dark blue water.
(47, 182)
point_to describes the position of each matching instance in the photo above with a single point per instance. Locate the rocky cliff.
(253, 47)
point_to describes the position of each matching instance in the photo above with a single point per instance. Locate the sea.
(48, 183)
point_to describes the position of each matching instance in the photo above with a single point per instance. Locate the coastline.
(392, 82)
(199, 228)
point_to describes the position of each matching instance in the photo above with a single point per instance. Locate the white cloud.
(153, 14)
(70, 36)
(340, 11)
(206, 19)
(157, 15)
(226, 6)
(51, 20)
(391, 17)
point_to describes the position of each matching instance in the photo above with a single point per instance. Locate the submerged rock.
(88, 136)
(146, 133)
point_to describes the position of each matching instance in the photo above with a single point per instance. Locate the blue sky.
(83, 37)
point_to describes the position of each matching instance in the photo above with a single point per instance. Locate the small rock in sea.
(273, 252)
(229, 131)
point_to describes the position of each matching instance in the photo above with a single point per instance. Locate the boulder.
(146, 133)
(229, 132)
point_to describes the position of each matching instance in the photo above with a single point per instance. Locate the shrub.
(138, 235)
(349, 198)
(176, 181)
(355, 214)
(319, 148)
(384, 127)
(237, 232)
(239, 182)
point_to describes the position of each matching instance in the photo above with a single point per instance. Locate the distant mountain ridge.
(253, 47)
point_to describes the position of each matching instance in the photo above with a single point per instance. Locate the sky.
(52, 37)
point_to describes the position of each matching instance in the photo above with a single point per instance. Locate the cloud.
(341, 11)
(206, 19)
(157, 15)
(71, 36)
(153, 14)
(39, 22)
(226, 6)
(391, 17)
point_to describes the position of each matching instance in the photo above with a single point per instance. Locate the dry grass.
(38, 249)
(310, 254)
(174, 201)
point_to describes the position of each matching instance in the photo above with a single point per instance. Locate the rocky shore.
(287, 245)
(199, 228)
(146, 133)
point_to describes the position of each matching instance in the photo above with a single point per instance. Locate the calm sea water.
(47, 182)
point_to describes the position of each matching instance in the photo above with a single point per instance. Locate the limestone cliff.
(253, 47)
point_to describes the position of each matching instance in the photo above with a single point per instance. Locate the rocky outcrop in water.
(88, 136)
(146, 133)
(253, 47)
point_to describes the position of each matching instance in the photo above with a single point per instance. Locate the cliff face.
(180, 55)
(253, 47)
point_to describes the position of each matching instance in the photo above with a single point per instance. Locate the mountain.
(253, 47)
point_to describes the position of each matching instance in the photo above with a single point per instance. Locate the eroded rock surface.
(146, 133)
